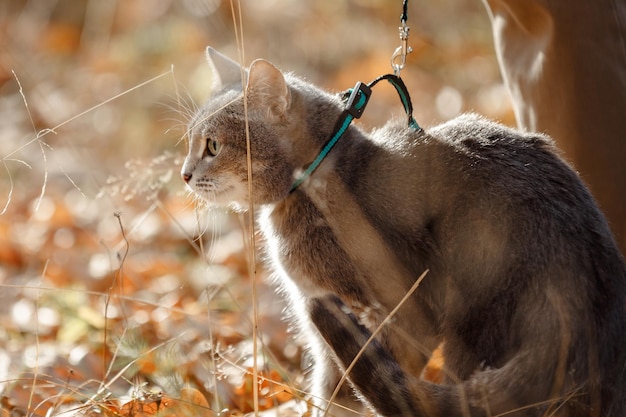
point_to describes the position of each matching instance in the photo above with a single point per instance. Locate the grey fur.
(525, 289)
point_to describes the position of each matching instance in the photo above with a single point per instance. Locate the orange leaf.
(191, 403)
(195, 397)
(142, 407)
(434, 368)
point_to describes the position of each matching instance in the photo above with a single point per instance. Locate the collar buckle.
(359, 96)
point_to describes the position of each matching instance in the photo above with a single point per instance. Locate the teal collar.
(355, 105)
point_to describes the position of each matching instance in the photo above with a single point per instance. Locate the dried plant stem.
(238, 26)
(37, 138)
(117, 281)
(45, 132)
(37, 347)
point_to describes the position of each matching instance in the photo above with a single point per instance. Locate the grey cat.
(525, 287)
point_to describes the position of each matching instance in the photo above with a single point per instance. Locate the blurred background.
(114, 288)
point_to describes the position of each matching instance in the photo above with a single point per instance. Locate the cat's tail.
(377, 377)
(522, 387)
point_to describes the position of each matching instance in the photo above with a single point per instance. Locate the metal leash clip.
(398, 59)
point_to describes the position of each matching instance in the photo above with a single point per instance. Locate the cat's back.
(470, 148)
(524, 170)
(522, 177)
(498, 146)
(471, 166)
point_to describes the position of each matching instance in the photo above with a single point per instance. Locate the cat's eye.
(213, 147)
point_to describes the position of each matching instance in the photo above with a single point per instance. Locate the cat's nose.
(186, 177)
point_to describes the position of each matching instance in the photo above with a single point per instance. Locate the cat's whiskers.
(186, 107)
(186, 102)
(203, 119)
(200, 207)
(181, 109)
(175, 124)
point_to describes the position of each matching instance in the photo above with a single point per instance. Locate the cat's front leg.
(376, 375)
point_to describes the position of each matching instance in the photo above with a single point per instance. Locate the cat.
(524, 291)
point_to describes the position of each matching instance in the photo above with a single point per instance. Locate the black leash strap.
(404, 17)
(405, 98)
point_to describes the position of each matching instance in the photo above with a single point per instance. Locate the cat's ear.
(225, 71)
(267, 89)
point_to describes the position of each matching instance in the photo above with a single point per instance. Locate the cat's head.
(216, 167)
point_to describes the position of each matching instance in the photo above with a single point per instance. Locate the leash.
(357, 98)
